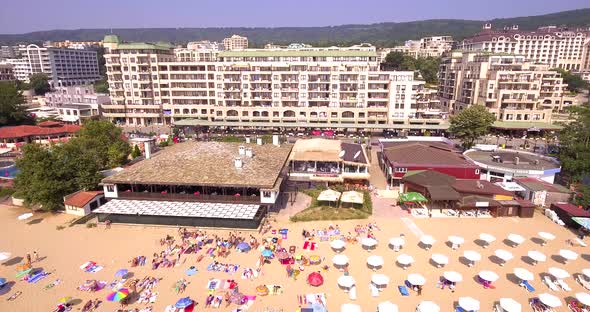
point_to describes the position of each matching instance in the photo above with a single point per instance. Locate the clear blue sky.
(34, 15)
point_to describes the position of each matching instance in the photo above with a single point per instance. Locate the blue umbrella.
(243, 246)
(2, 281)
(183, 303)
(585, 222)
(267, 253)
(121, 273)
(191, 271)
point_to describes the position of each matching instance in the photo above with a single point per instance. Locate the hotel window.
(476, 171)
(401, 170)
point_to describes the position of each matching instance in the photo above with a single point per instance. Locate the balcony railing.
(191, 197)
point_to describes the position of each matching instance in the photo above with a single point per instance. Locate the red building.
(44, 132)
(399, 158)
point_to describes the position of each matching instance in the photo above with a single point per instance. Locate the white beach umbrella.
(427, 240)
(440, 259)
(337, 244)
(488, 238)
(427, 306)
(416, 279)
(350, 307)
(558, 273)
(340, 260)
(568, 254)
(549, 300)
(510, 305)
(369, 242)
(456, 240)
(586, 272)
(524, 274)
(346, 281)
(516, 239)
(387, 306)
(488, 276)
(537, 256)
(546, 236)
(4, 256)
(472, 256)
(380, 279)
(469, 304)
(584, 298)
(397, 241)
(375, 261)
(503, 255)
(405, 259)
(25, 216)
(453, 276)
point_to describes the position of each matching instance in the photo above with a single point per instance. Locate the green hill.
(381, 34)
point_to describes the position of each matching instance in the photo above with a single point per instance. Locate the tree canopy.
(574, 141)
(48, 173)
(427, 67)
(470, 124)
(39, 83)
(574, 82)
(12, 109)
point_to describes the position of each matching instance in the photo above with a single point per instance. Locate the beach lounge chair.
(403, 290)
(550, 283)
(563, 285)
(527, 286)
(583, 282)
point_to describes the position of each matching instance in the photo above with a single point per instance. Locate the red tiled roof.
(49, 124)
(27, 131)
(422, 154)
(80, 199)
(571, 209)
(471, 187)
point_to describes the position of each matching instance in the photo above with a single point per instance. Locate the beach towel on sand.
(52, 284)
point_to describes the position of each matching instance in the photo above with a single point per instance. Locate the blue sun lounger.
(403, 290)
(528, 286)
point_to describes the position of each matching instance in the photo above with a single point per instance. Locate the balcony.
(191, 197)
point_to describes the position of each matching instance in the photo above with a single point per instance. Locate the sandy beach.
(63, 251)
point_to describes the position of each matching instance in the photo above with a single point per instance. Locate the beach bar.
(199, 184)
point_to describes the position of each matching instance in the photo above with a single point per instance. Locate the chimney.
(516, 160)
(242, 150)
(147, 149)
(238, 162)
(479, 185)
(275, 140)
(249, 152)
(259, 141)
(247, 140)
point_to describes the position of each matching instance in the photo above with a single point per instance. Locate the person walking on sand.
(28, 258)
(35, 256)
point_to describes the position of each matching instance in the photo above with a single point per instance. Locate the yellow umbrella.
(65, 299)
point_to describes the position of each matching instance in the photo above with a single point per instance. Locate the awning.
(353, 197)
(329, 195)
(413, 197)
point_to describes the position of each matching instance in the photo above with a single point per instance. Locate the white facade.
(235, 42)
(21, 68)
(76, 102)
(509, 86)
(425, 47)
(563, 48)
(155, 84)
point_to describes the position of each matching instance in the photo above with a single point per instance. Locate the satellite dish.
(357, 155)
(341, 154)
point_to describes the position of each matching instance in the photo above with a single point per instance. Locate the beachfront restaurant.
(320, 161)
(211, 184)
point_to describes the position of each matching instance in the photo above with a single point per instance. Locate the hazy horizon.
(75, 14)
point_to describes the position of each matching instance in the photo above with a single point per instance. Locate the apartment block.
(6, 72)
(509, 86)
(158, 84)
(557, 47)
(63, 66)
(235, 42)
(74, 103)
(433, 46)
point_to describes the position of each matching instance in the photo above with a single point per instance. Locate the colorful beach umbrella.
(118, 295)
(2, 281)
(4, 256)
(267, 253)
(183, 303)
(315, 279)
(243, 246)
(121, 273)
(65, 299)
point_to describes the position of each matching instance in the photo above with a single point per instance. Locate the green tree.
(39, 83)
(12, 109)
(395, 60)
(470, 124)
(427, 67)
(105, 141)
(575, 83)
(136, 152)
(574, 142)
(582, 196)
(101, 86)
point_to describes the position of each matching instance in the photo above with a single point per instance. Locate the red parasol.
(315, 279)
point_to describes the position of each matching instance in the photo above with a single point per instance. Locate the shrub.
(60, 227)
(91, 225)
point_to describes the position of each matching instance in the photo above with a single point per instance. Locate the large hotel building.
(509, 86)
(557, 47)
(155, 83)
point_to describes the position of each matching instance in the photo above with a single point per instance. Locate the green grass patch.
(320, 211)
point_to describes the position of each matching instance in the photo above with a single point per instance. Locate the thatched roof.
(316, 150)
(208, 164)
